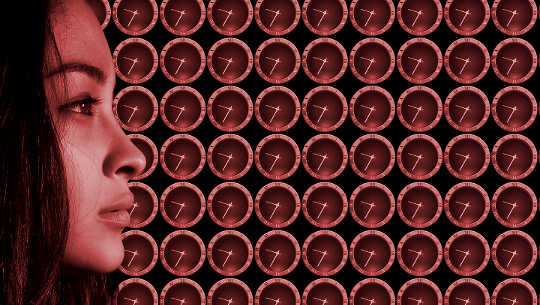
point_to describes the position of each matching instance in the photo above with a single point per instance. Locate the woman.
(64, 160)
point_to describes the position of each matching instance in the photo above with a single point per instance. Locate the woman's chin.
(104, 255)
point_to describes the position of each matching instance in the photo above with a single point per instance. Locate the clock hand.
(323, 13)
(371, 13)
(466, 109)
(182, 13)
(466, 62)
(465, 15)
(371, 109)
(418, 14)
(276, 13)
(370, 204)
(180, 209)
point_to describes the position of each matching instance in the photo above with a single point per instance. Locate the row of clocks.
(325, 205)
(325, 60)
(322, 17)
(325, 108)
(325, 253)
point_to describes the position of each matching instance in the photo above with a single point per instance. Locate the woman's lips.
(118, 217)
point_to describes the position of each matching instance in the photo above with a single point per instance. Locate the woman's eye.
(84, 106)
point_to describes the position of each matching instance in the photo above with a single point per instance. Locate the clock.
(135, 108)
(466, 156)
(514, 204)
(182, 60)
(324, 17)
(466, 60)
(324, 108)
(419, 291)
(324, 60)
(324, 156)
(277, 205)
(514, 156)
(514, 108)
(372, 108)
(466, 290)
(229, 253)
(140, 253)
(324, 290)
(277, 60)
(324, 253)
(466, 17)
(372, 290)
(277, 157)
(373, 18)
(145, 205)
(514, 17)
(229, 205)
(102, 10)
(419, 17)
(229, 108)
(182, 17)
(230, 60)
(372, 60)
(514, 289)
(182, 253)
(135, 291)
(372, 156)
(419, 60)
(149, 150)
(466, 253)
(514, 60)
(466, 108)
(277, 253)
(514, 253)
(277, 108)
(230, 157)
(419, 157)
(230, 17)
(372, 204)
(277, 17)
(231, 290)
(182, 156)
(419, 253)
(182, 108)
(466, 204)
(278, 291)
(135, 17)
(419, 205)
(324, 205)
(182, 205)
(372, 253)
(182, 289)
(135, 60)
(419, 108)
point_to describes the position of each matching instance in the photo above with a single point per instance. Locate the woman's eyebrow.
(92, 71)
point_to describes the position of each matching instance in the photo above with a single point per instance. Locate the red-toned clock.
(230, 291)
(372, 204)
(419, 108)
(135, 60)
(150, 152)
(182, 205)
(419, 291)
(514, 60)
(514, 156)
(135, 108)
(229, 205)
(145, 205)
(229, 253)
(466, 253)
(277, 205)
(466, 108)
(324, 253)
(373, 18)
(102, 10)
(372, 156)
(514, 108)
(466, 290)
(182, 17)
(277, 291)
(277, 60)
(182, 156)
(135, 291)
(277, 157)
(467, 17)
(372, 60)
(182, 108)
(419, 253)
(372, 253)
(135, 17)
(514, 204)
(419, 17)
(324, 205)
(514, 290)
(277, 17)
(230, 60)
(514, 253)
(324, 108)
(182, 290)
(229, 108)
(324, 17)
(466, 156)
(140, 253)
(419, 205)
(230, 157)
(277, 108)
(466, 204)
(324, 291)
(514, 17)
(372, 108)
(277, 253)
(324, 156)
(229, 17)
(182, 60)
(419, 60)
(324, 60)
(372, 291)
(182, 253)
(419, 157)
(466, 60)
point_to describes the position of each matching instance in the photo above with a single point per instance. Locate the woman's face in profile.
(98, 157)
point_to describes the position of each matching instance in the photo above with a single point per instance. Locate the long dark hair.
(34, 206)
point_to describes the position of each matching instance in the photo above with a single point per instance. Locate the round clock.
(323, 291)
(514, 17)
(324, 17)
(466, 290)
(419, 291)
(150, 152)
(277, 17)
(229, 253)
(419, 157)
(466, 17)
(145, 205)
(419, 253)
(419, 60)
(324, 205)
(419, 17)
(419, 108)
(324, 253)
(372, 253)
(182, 290)
(230, 17)
(324, 156)
(140, 253)
(514, 60)
(466, 108)
(372, 156)
(277, 291)
(324, 108)
(372, 291)
(277, 60)
(419, 205)
(182, 156)
(102, 10)
(277, 157)
(514, 156)
(373, 18)
(135, 108)
(230, 157)
(324, 60)
(182, 205)
(182, 60)
(229, 205)
(182, 108)
(229, 108)
(514, 108)
(182, 17)
(135, 17)
(514, 205)
(466, 60)
(231, 291)
(135, 60)
(135, 291)
(372, 60)
(372, 108)
(277, 253)
(372, 204)
(277, 205)
(466, 156)
(515, 290)
(466, 204)
(277, 108)
(466, 253)
(182, 253)
(230, 60)
(514, 253)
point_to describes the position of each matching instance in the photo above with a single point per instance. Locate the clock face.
(514, 289)
(372, 108)
(372, 60)
(466, 204)
(182, 205)
(230, 157)
(466, 17)
(230, 60)
(466, 156)
(419, 253)
(182, 108)
(135, 17)
(373, 18)
(419, 157)
(324, 60)
(102, 10)
(135, 108)
(277, 17)
(277, 60)
(372, 290)
(466, 289)
(182, 17)
(325, 289)
(229, 108)
(135, 291)
(372, 156)
(324, 205)
(372, 204)
(231, 290)
(420, 291)
(182, 253)
(150, 152)
(372, 253)
(419, 17)
(514, 60)
(324, 17)
(324, 156)
(182, 156)
(135, 60)
(183, 289)
(140, 253)
(230, 17)
(277, 205)
(324, 253)
(419, 108)
(419, 60)
(419, 205)
(514, 253)
(277, 290)
(514, 108)
(514, 17)
(229, 253)
(277, 157)
(514, 204)
(324, 108)
(182, 60)
(277, 253)
(277, 108)
(466, 60)
(145, 205)
(229, 205)
(466, 253)
(466, 108)
(514, 156)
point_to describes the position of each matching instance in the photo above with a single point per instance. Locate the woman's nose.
(124, 158)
